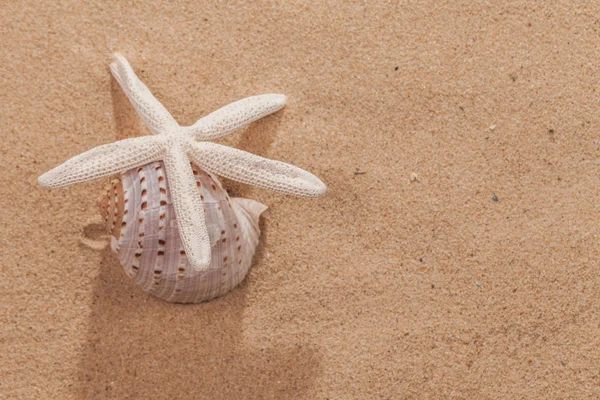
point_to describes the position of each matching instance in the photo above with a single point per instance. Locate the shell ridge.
(161, 264)
(128, 236)
(250, 227)
(149, 215)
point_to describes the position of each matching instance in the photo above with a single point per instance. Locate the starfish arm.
(248, 168)
(189, 210)
(235, 115)
(152, 112)
(103, 161)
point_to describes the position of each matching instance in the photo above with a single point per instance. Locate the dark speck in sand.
(495, 198)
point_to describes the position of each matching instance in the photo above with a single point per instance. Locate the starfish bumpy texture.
(176, 146)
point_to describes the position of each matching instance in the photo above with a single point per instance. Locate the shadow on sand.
(142, 347)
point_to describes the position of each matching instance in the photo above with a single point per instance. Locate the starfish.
(176, 146)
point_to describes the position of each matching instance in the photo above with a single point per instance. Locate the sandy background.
(382, 289)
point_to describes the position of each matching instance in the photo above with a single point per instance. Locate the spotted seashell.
(140, 218)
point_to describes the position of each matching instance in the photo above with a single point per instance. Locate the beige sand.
(382, 289)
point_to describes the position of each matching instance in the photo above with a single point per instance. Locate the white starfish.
(176, 146)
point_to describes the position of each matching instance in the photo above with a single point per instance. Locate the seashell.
(186, 241)
(140, 219)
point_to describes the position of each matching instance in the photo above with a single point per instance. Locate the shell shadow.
(141, 347)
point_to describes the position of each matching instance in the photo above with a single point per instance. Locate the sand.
(455, 255)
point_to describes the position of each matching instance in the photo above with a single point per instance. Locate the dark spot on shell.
(138, 255)
(144, 192)
(162, 216)
(163, 191)
(224, 239)
(140, 170)
(144, 205)
(214, 187)
(225, 259)
(222, 232)
(195, 172)
(161, 253)
(135, 267)
(141, 234)
(161, 242)
(161, 178)
(158, 168)
(163, 202)
(239, 247)
(143, 179)
(182, 252)
(198, 184)
(201, 197)
(235, 226)
(141, 220)
(237, 239)
(123, 224)
(181, 269)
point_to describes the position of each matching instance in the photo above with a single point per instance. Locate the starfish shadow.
(256, 139)
(127, 121)
(141, 347)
